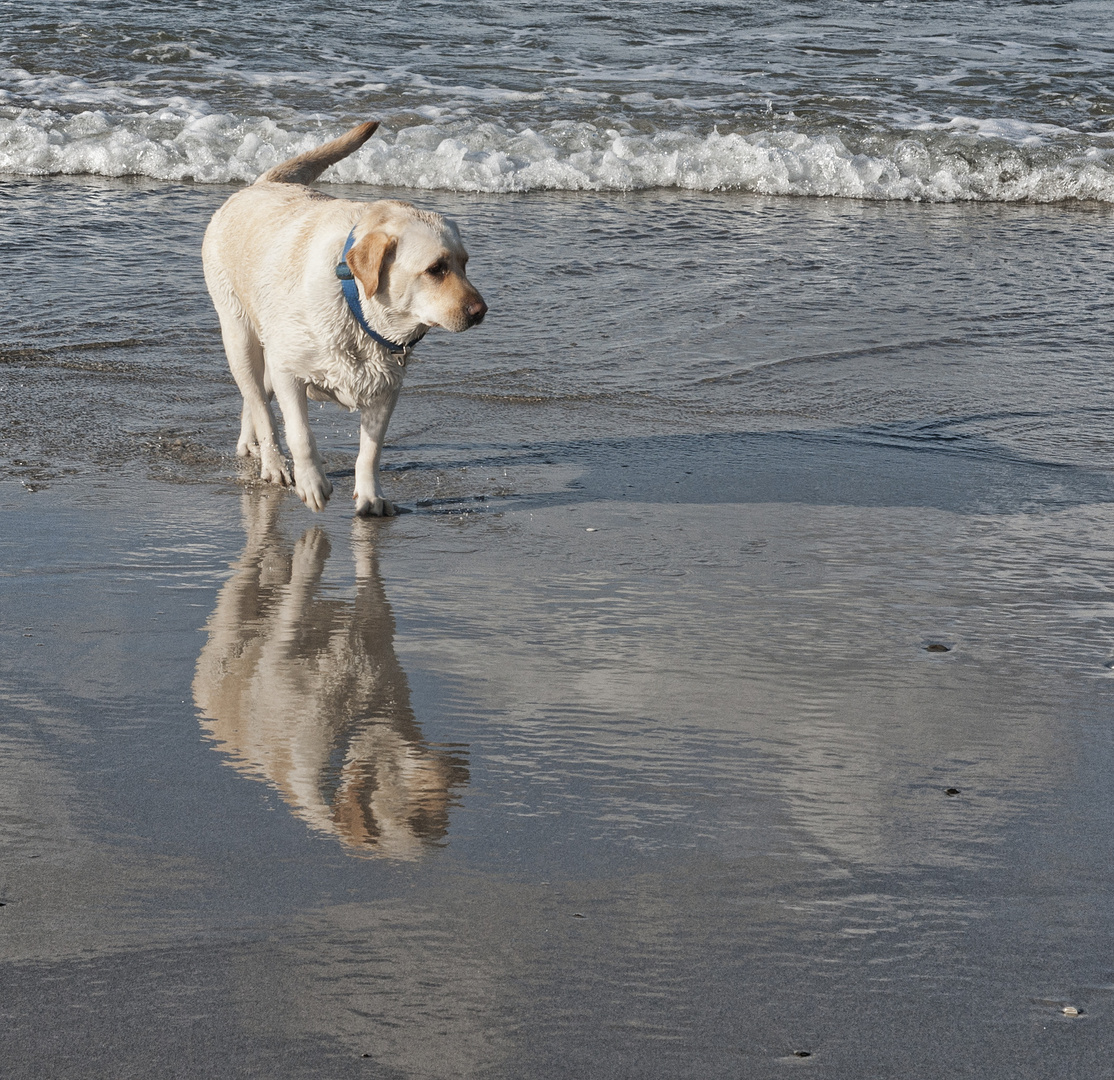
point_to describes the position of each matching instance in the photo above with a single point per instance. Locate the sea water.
(945, 101)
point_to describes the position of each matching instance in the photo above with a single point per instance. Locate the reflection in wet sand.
(303, 690)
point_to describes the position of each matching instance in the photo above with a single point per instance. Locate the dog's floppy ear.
(368, 258)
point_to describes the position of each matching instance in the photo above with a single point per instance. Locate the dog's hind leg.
(310, 482)
(248, 444)
(258, 434)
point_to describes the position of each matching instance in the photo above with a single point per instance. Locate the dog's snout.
(475, 310)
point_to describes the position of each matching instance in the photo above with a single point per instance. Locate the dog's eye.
(438, 269)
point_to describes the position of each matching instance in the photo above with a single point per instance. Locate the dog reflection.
(303, 690)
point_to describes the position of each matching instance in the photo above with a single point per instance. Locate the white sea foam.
(1024, 133)
(995, 160)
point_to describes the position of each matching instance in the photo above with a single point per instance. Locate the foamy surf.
(998, 161)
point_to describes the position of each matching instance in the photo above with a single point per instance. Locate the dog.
(325, 298)
(299, 685)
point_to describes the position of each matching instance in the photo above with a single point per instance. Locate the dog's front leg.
(374, 418)
(310, 482)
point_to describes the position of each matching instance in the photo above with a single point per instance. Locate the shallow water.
(981, 329)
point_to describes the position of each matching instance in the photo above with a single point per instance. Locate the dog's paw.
(313, 488)
(244, 448)
(373, 506)
(273, 468)
(276, 473)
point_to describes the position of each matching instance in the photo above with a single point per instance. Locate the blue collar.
(352, 295)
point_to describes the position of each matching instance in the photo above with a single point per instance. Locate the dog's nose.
(475, 311)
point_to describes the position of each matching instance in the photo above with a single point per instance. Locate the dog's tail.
(307, 167)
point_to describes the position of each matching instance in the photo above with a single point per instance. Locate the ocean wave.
(988, 160)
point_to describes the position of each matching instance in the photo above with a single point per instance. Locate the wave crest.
(959, 162)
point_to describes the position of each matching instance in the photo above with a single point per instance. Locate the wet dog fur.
(270, 256)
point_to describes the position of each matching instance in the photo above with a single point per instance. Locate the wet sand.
(574, 782)
(679, 730)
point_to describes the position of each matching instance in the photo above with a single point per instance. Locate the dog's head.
(411, 262)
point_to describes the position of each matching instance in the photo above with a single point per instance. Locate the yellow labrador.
(326, 297)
